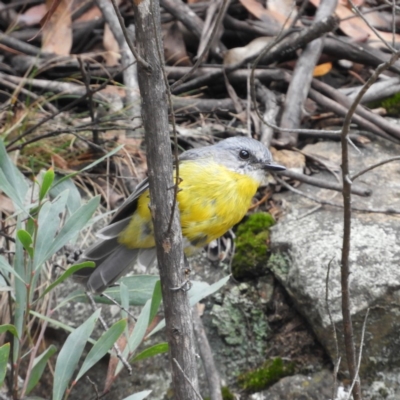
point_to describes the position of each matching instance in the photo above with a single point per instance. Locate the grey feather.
(112, 268)
(147, 257)
(114, 229)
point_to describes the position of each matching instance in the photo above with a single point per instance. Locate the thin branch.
(371, 167)
(360, 352)
(187, 379)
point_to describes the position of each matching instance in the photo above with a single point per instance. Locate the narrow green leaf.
(70, 354)
(67, 274)
(4, 285)
(155, 301)
(26, 239)
(39, 365)
(58, 324)
(152, 351)
(124, 299)
(6, 267)
(4, 353)
(9, 328)
(140, 287)
(48, 179)
(20, 291)
(199, 291)
(74, 224)
(138, 396)
(74, 197)
(48, 225)
(102, 346)
(12, 182)
(138, 333)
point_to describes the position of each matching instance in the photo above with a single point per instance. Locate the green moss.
(265, 376)
(227, 394)
(391, 104)
(252, 238)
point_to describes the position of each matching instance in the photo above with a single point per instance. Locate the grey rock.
(318, 386)
(307, 242)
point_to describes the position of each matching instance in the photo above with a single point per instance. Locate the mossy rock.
(390, 104)
(265, 376)
(252, 240)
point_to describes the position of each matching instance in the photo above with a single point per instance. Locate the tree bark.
(168, 235)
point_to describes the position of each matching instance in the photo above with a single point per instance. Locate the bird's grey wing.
(111, 268)
(128, 207)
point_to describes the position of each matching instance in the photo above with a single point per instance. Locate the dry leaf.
(238, 54)
(57, 33)
(322, 69)
(112, 54)
(356, 28)
(174, 46)
(255, 8)
(33, 15)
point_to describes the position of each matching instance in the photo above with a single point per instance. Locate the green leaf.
(74, 224)
(140, 287)
(152, 351)
(21, 291)
(4, 353)
(70, 354)
(138, 396)
(67, 274)
(4, 285)
(9, 328)
(124, 299)
(198, 291)
(102, 346)
(74, 197)
(138, 333)
(12, 182)
(26, 239)
(39, 365)
(201, 290)
(48, 225)
(48, 179)
(155, 301)
(6, 267)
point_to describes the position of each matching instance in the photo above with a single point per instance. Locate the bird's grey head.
(243, 155)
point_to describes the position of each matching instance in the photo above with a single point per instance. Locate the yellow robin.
(216, 186)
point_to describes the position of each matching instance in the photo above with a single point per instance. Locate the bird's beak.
(273, 167)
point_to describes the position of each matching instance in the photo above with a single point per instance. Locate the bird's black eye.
(244, 154)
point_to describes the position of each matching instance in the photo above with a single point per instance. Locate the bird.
(216, 186)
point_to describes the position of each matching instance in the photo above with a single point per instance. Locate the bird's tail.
(112, 259)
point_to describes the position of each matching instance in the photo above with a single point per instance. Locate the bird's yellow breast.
(211, 200)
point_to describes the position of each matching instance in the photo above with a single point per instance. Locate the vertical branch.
(345, 265)
(168, 241)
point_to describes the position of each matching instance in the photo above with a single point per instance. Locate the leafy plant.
(49, 215)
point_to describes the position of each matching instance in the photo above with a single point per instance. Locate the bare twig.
(371, 167)
(323, 183)
(188, 380)
(328, 310)
(360, 352)
(345, 264)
